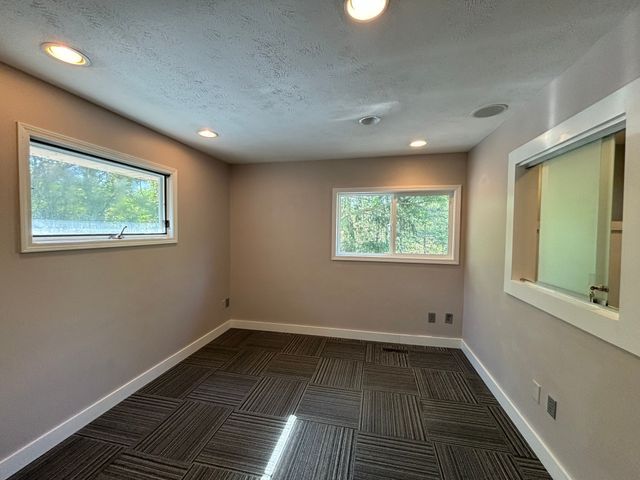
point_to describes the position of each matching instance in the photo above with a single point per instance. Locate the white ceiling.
(288, 79)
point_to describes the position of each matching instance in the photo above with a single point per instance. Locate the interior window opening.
(568, 221)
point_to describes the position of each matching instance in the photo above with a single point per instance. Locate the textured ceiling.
(287, 79)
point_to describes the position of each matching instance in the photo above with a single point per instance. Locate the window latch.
(119, 236)
(594, 297)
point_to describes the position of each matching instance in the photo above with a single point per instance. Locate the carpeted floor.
(261, 405)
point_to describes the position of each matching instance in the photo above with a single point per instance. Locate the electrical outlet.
(536, 391)
(448, 318)
(226, 302)
(432, 317)
(552, 407)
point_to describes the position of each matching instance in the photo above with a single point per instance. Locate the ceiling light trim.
(54, 50)
(207, 133)
(364, 11)
(419, 143)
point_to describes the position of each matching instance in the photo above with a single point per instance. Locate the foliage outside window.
(76, 195)
(414, 225)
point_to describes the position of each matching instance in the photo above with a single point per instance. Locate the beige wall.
(281, 249)
(76, 325)
(597, 385)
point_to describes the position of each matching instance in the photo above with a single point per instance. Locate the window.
(572, 236)
(75, 195)
(575, 231)
(415, 225)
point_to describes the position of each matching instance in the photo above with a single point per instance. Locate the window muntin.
(74, 194)
(406, 225)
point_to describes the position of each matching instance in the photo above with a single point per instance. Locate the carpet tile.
(307, 345)
(224, 388)
(275, 396)
(383, 458)
(77, 458)
(465, 364)
(233, 337)
(339, 373)
(294, 366)
(443, 385)
(177, 382)
(344, 349)
(130, 420)
(391, 415)
(185, 432)
(212, 356)
(519, 445)
(531, 469)
(389, 379)
(330, 405)
(249, 362)
(435, 360)
(463, 424)
(429, 348)
(316, 451)
(463, 463)
(387, 354)
(255, 405)
(244, 443)
(480, 391)
(203, 472)
(139, 466)
(275, 341)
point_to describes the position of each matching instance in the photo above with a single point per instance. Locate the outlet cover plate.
(537, 388)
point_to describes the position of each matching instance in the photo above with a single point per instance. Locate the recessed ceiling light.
(418, 144)
(491, 110)
(370, 120)
(365, 10)
(66, 54)
(207, 133)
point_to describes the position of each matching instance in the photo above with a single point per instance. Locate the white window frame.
(621, 328)
(455, 210)
(30, 244)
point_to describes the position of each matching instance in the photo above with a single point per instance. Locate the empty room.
(319, 240)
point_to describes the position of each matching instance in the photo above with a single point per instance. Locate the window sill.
(579, 313)
(397, 259)
(60, 244)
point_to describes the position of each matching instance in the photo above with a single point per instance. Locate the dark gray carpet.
(275, 406)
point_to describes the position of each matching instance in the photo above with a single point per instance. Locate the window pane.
(423, 224)
(75, 194)
(575, 218)
(364, 223)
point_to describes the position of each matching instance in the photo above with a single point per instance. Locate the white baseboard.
(401, 338)
(42, 444)
(551, 463)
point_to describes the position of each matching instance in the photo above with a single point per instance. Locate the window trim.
(30, 244)
(455, 209)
